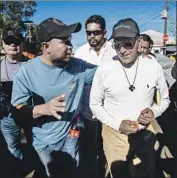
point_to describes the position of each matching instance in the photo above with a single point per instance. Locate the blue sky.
(79, 11)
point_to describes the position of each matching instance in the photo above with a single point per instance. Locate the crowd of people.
(90, 115)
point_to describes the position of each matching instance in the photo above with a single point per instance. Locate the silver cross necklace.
(131, 86)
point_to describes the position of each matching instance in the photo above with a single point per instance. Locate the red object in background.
(165, 37)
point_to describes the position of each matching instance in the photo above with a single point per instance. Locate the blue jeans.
(11, 132)
(61, 159)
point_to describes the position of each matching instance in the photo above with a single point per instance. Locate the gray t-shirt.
(8, 69)
(37, 83)
(7, 72)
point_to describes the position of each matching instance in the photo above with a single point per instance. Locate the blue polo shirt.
(36, 83)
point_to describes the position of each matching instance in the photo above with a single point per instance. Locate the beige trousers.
(129, 156)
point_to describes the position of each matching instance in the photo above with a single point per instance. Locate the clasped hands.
(129, 127)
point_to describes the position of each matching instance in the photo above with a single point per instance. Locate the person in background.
(174, 71)
(96, 51)
(30, 44)
(12, 41)
(173, 89)
(29, 49)
(146, 46)
(122, 99)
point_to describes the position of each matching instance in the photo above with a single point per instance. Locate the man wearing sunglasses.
(50, 88)
(122, 99)
(97, 50)
(12, 41)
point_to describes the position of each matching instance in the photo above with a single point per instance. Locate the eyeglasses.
(126, 43)
(95, 32)
(12, 40)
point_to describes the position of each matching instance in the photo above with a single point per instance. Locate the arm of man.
(22, 100)
(52, 108)
(89, 72)
(174, 71)
(97, 107)
(164, 94)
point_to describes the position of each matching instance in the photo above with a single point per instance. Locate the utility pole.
(165, 25)
(29, 35)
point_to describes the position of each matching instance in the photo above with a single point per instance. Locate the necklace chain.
(131, 86)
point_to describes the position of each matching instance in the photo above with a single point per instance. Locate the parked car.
(167, 65)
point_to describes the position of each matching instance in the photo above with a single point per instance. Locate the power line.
(143, 7)
(154, 18)
(139, 8)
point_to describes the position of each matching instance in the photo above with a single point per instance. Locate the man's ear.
(138, 42)
(45, 45)
(3, 44)
(104, 32)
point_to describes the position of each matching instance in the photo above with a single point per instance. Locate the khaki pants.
(129, 156)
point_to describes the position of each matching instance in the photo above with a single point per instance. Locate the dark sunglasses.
(126, 43)
(12, 40)
(95, 33)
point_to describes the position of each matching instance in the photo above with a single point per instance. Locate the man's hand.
(56, 106)
(53, 108)
(146, 117)
(128, 127)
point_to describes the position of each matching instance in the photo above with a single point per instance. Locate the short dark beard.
(98, 45)
(93, 45)
(60, 63)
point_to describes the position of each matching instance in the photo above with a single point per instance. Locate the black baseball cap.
(125, 28)
(55, 28)
(12, 35)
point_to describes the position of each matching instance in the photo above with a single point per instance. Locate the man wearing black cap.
(122, 99)
(12, 41)
(50, 86)
(10, 63)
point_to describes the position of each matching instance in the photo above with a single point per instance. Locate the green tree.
(14, 13)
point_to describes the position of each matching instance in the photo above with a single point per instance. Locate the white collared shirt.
(86, 53)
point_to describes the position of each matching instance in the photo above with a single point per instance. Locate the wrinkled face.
(144, 47)
(126, 48)
(11, 46)
(60, 50)
(95, 35)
